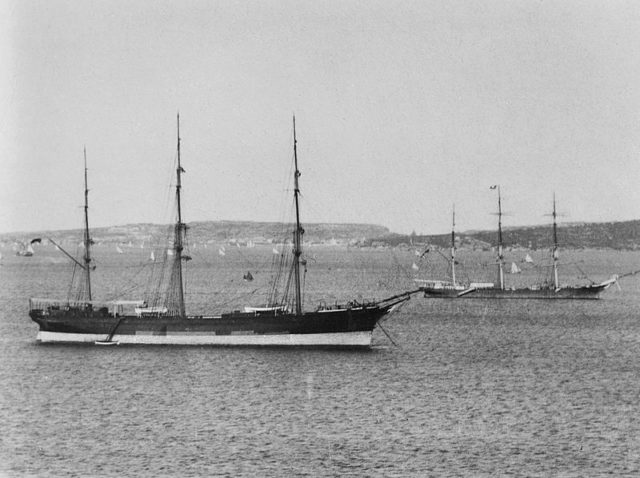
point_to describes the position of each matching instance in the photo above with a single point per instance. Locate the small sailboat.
(26, 250)
(285, 323)
(515, 269)
(528, 259)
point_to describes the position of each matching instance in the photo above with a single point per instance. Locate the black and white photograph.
(295, 238)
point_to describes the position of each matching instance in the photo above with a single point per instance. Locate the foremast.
(175, 302)
(299, 231)
(87, 238)
(554, 214)
(453, 246)
(500, 245)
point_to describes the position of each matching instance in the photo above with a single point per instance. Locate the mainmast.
(297, 235)
(176, 276)
(500, 252)
(453, 246)
(87, 239)
(555, 244)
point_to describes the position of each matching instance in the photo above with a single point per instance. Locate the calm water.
(473, 388)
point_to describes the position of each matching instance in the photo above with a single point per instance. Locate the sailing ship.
(87, 321)
(488, 290)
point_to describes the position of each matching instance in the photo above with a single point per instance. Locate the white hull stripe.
(359, 339)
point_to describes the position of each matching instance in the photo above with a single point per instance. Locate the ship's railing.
(352, 304)
(434, 283)
(115, 308)
(154, 311)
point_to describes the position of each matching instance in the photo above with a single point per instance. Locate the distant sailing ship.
(283, 324)
(487, 290)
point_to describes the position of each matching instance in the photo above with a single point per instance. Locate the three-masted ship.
(136, 322)
(489, 290)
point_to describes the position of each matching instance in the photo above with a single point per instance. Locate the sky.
(403, 109)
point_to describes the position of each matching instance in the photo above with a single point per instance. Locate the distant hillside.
(612, 235)
(214, 232)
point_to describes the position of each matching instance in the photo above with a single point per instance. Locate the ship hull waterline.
(329, 328)
(565, 293)
(336, 339)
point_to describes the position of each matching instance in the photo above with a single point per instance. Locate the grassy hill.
(213, 232)
(611, 235)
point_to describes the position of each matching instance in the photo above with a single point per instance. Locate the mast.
(87, 239)
(453, 247)
(180, 227)
(500, 252)
(297, 235)
(555, 244)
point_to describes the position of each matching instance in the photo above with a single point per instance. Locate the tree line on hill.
(612, 235)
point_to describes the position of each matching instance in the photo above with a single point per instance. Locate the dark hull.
(348, 327)
(583, 293)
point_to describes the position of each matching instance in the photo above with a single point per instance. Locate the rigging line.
(160, 290)
(304, 281)
(448, 259)
(236, 298)
(73, 276)
(122, 293)
(400, 267)
(387, 334)
(585, 275)
(280, 268)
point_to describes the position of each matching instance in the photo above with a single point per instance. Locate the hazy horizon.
(422, 233)
(402, 108)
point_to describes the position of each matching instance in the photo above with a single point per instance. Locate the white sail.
(528, 259)
(120, 251)
(152, 257)
(514, 268)
(415, 267)
(221, 251)
(275, 251)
